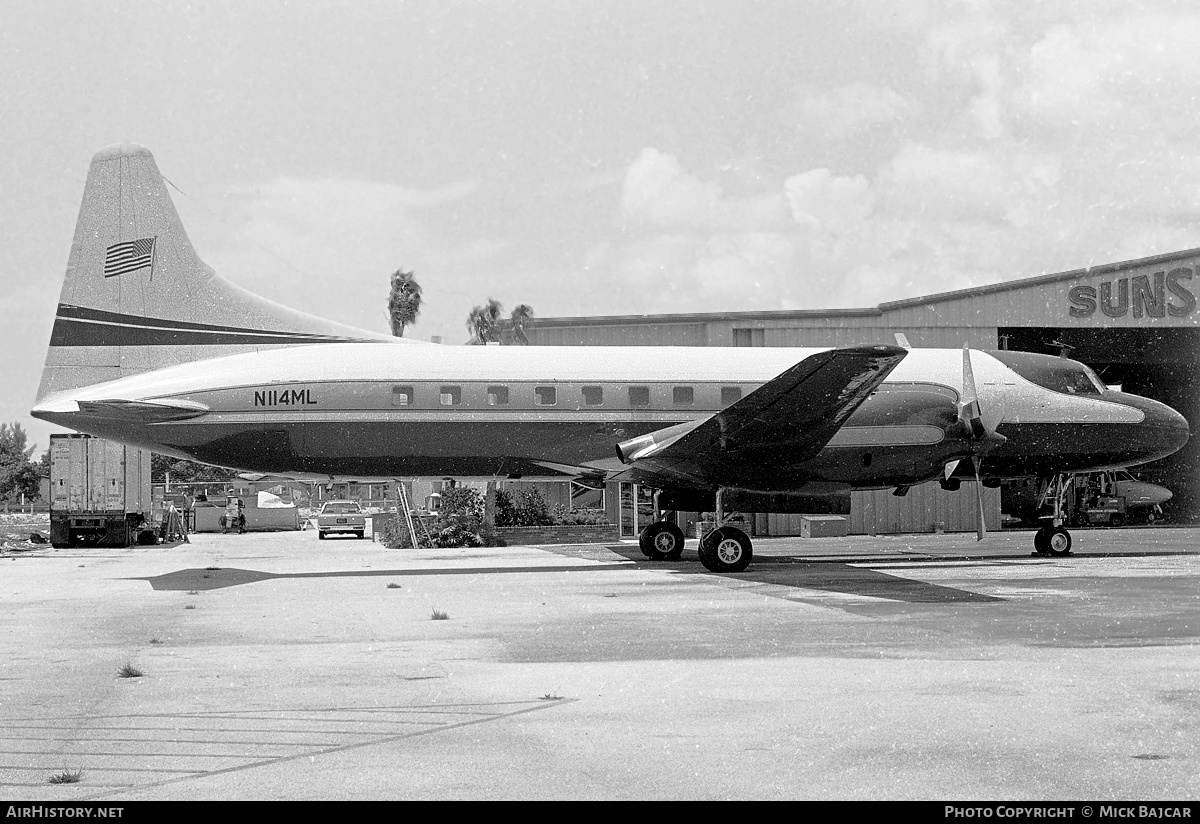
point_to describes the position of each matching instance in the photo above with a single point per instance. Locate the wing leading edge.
(788, 419)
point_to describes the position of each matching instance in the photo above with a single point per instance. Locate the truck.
(100, 493)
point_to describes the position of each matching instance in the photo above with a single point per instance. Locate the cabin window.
(497, 396)
(683, 396)
(730, 395)
(545, 395)
(639, 396)
(451, 395)
(402, 396)
(593, 396)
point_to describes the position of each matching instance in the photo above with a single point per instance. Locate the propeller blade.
(968, 405)
(982, 529)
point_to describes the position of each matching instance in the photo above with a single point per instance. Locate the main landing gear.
(1053, 538)
(724, 549)
(661, 541)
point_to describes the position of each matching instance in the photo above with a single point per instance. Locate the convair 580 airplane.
(151, 348)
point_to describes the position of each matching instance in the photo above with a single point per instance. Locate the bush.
(460, 520)
(506, 513)
(531, 509)
(392, 532)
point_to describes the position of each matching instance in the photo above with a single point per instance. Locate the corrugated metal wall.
(629, 334)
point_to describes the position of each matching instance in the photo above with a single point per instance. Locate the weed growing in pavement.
(67, 777)
(438, 615)
(393, 586)
(129, 671)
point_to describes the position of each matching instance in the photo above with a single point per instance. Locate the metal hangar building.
(1135, 322)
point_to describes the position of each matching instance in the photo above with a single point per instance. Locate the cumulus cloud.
(827, 202)
(657, 190)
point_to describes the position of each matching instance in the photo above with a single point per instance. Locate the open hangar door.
(1163, 364)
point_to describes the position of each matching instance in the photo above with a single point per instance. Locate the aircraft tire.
(662, 541)
(1058, 542)
(1117, 520)
(320, 535)
(644, 541)
(727, 549)
(1041, 540)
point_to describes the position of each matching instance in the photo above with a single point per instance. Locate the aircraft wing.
(787, 420)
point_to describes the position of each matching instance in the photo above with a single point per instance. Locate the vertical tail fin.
(137, 297)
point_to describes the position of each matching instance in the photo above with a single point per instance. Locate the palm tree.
(404, 301)
(521, 316)
(483, 322)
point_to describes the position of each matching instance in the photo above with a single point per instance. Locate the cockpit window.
(1057, 374)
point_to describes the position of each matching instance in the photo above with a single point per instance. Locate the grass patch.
(67, 777)
(393, 586)
(193, 592)
(129, 671)
(211, 569)
(438, 615)
(550, 697)
(189, 606)
(156, 640)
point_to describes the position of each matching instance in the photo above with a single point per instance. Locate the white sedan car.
(341, 517)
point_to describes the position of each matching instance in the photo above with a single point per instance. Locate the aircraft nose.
(1168, 429)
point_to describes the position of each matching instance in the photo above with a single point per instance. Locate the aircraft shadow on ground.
(827, 576)
(220, 578)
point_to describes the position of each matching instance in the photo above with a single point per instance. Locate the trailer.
(100, 493)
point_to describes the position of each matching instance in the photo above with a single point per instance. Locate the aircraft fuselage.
(374, 409)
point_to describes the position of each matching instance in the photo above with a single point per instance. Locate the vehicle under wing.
(783, 423)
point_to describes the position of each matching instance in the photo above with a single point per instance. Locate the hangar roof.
(1024, 284)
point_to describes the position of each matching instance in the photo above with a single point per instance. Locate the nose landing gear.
(1053, 538)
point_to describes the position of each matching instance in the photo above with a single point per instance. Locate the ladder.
(408, 519)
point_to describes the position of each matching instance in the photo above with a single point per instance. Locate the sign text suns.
(1157, 296)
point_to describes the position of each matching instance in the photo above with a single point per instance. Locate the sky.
(605, 158)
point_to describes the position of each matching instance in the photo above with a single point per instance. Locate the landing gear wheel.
(725, 550)
(1041, 540)
(1058, 542)
(661, 541)
(1117, 520)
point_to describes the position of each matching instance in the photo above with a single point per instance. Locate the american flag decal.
(129, 256)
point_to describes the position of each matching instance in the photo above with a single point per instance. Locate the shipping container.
(100, 493)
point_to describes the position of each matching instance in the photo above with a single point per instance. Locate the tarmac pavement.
(277, 666)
